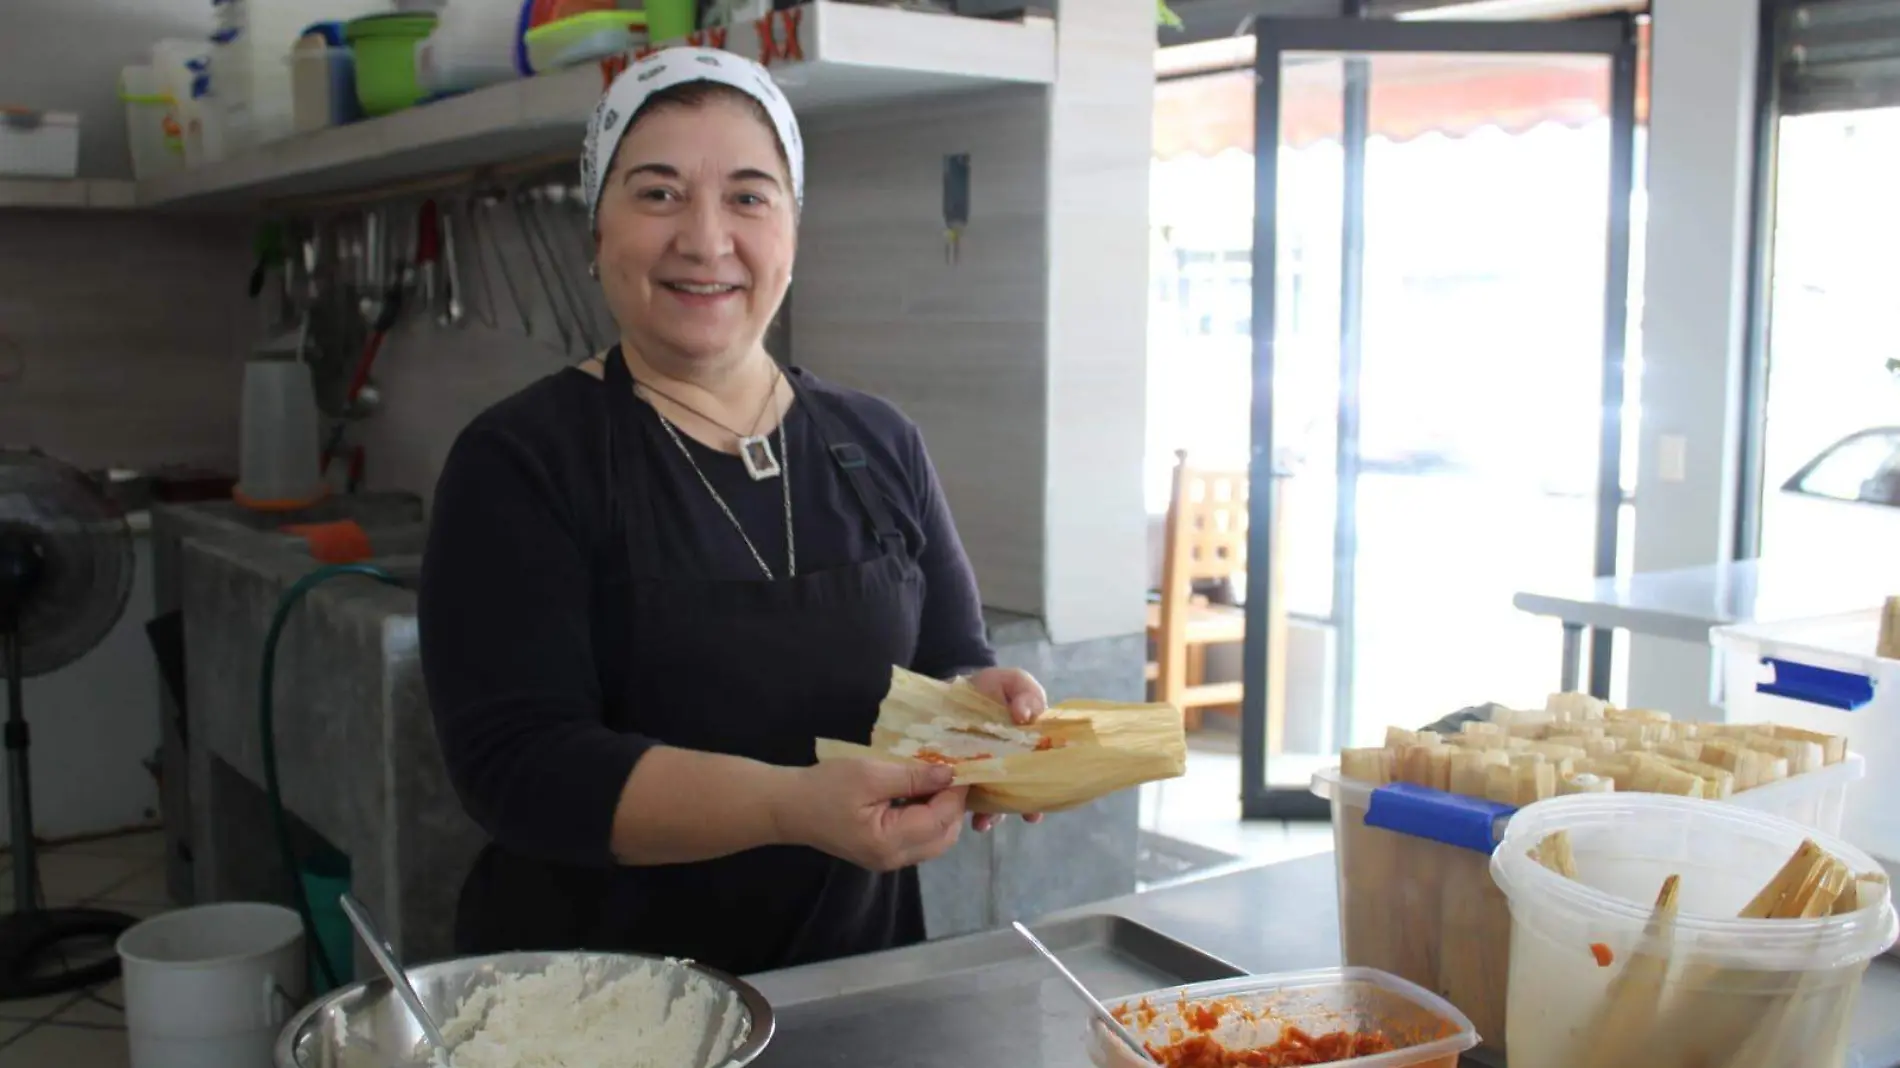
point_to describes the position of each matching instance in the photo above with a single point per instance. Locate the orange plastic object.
(343, 541)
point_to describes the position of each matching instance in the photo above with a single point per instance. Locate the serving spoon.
(385, 956)
(1101, 1011)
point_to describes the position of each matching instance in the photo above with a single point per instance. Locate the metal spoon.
(386, 959)
(1101, 1011)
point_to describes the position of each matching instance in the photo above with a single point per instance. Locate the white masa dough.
(565, 1017)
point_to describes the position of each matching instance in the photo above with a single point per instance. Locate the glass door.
(1440, 306)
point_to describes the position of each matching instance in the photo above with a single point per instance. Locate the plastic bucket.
(211, 985)
(385, 49)
(1721, 989)
(671, 20)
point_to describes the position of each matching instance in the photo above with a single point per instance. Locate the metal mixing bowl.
(365, 1025)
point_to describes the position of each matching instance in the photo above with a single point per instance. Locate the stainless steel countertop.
(1686, 603)
(1275, 918)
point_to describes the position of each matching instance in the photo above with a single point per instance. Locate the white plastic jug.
(211, 985)
(280, 456)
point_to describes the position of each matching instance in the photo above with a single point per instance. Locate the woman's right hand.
(845, 808)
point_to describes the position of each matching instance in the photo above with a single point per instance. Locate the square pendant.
(760, 463)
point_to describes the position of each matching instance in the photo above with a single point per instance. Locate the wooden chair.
(1206, 539)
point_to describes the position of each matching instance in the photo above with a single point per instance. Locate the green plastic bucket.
(326, 878)
(671, 20)
(384, 49)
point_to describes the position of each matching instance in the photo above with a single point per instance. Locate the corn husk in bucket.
(1075, 753)
(1751, 956)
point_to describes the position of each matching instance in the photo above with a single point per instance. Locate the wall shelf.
(66, 193)
(825, 55)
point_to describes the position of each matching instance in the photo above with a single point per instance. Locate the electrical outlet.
(1672, 458)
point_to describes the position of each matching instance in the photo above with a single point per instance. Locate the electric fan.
(65, 573)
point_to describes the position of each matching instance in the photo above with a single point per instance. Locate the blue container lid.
(332, 33)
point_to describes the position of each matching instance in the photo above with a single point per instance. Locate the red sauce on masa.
(1294, 1049)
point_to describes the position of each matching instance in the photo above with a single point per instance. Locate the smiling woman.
(655, 579)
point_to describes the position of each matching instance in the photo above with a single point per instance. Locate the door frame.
(1611, 36)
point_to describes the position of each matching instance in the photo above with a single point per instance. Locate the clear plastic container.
(1732, 992)
(1428, 1031)
(323, 84)
(1821, 674)
(1428, 911)
(584, 38)
(473, 45)
(156, 140)
(280, 468)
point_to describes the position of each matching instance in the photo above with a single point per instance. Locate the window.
(1828, 397)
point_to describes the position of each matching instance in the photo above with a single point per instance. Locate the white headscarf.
(675, 66)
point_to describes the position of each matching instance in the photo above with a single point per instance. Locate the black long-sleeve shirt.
(513, 644)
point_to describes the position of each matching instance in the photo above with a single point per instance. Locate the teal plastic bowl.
(384, 47)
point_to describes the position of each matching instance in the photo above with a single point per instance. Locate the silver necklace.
(785, 462)
(755, 449)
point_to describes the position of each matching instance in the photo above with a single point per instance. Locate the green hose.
(267, 730)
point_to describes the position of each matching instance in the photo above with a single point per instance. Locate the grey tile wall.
(123, 336)
(960, 347)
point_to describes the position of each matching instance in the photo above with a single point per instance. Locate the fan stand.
(31, 964)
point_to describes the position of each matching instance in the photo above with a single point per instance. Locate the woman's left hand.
(1018, 691)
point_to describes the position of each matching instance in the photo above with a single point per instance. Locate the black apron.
(752, 668)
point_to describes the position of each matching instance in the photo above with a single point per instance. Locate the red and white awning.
(1411, 96)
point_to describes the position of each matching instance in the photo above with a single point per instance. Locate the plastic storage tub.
(473, 45)
(584, 39)
(1429, 1031)
(1822, 674)
(1422, 905)
(1719, 990)
(39, 144)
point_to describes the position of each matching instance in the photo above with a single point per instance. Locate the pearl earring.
(593, 270)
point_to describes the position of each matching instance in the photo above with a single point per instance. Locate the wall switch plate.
(1672, 458)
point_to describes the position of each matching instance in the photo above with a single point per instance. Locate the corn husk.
(1376, 865)
(1576, 706)
(1102, 747)
(1619, 1036)
(1585, 784)
(1555, 853)
(1740, 1018)
(1833, 746)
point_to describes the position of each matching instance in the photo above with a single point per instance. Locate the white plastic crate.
(39, 144)
(1822, 674)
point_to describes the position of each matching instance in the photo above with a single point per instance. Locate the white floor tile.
(67, 1047)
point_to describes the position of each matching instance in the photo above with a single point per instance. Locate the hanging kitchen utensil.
(452, 310)
(312, 251)
(526, 224)
(485, 308)
(370, 303)
(544, 200)
(490, 200)
(580, 227)
(428, 255)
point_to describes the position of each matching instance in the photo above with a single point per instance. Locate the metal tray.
(976, 1001)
